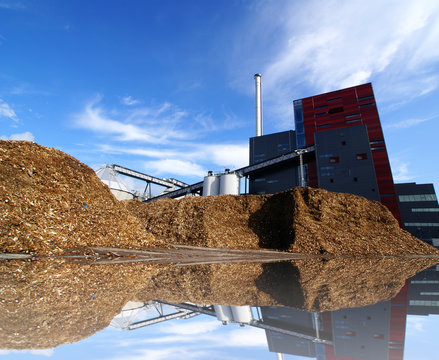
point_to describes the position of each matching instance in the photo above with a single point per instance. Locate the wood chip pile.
(301, 220)
(51, 202)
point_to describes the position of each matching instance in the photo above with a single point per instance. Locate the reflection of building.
(292, 319)
(424, 292)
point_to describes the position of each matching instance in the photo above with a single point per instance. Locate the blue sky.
(166, 87)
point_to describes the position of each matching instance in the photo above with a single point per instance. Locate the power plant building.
(350, 151)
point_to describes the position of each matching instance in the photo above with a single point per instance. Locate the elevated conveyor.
(296, 157)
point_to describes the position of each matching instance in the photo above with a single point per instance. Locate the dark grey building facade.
(275, 179)
(419, 211)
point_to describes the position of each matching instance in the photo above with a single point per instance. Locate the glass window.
(418, 197)
(423, 303)
(419, 224)
(425, 210)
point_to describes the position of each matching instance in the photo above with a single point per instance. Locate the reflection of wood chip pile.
(302, 220)
(50, 201)
(47, 303)
(311, 285)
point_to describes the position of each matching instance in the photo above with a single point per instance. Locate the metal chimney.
(258, 104)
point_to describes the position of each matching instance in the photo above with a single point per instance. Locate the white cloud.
(149, 125)
(325, 45)
(129, 101)
(165, 353)
(247, 337)
(42, 352)
(175, 167)
(26, 136)
(11, 5)
(400, 170)
(7, 111)
(186, 158)
(407, 123)
(191, 328)
(415, 325)
(233, 155)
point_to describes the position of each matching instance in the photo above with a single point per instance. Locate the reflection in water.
(306, 307)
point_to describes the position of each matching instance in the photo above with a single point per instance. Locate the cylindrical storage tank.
(242, 314)
(223, 313)
(229, 184)
(211, 185)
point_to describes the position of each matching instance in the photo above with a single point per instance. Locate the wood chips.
(301, 220)
(51, 202)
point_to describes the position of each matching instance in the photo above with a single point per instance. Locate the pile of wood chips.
(51, 202)
(301, 220)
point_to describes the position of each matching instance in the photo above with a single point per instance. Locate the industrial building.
(420, 216)
(343, 128)
(350, 152)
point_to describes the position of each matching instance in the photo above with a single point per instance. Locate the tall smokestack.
(258, 104)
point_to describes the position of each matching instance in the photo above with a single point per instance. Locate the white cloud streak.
(175, 166)
(331, 44)
(407, 123)
(42, 352)
(187, 159)
(26, 136)
(129, 101)
(149, 125)
(165, 137)
(7, 111)
(401, 170)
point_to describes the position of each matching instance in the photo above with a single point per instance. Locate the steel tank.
(229, 184)
(211, 184)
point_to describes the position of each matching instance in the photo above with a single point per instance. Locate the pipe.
(258, 89)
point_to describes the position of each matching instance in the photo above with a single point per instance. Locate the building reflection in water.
(368, 333)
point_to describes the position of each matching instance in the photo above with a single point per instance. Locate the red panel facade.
(350, 107)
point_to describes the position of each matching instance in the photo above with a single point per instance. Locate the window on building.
(423, 303)
(366, 105)
(425, 210)
(424, 281)
(334, 159)
(323, 126)
(365, 98)
(322, 114)
(430, 293)
(418, 197)
(336, 110)
(326, 155)
(352, 116)
(362, 156)
(334, 99)
(419, 224)
(320, 107)
(353, 121)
